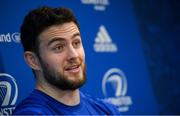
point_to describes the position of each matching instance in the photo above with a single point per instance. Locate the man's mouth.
(73, 68)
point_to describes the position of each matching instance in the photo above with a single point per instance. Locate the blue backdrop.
(117, 68)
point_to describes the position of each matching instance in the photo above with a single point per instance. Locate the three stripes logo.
(8, 94)
(103, 42)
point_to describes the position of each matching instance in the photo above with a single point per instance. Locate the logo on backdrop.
(8, 38)
(99, 5)
(114, 88)
(8, 94)
(103, 42)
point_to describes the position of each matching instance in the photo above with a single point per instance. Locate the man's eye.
(76, 44)
(59, 48)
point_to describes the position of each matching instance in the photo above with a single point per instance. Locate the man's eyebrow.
(55, 39)
(76, 34)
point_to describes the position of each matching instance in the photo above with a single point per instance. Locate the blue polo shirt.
(39, 103)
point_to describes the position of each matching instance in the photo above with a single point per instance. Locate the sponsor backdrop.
(116, 68)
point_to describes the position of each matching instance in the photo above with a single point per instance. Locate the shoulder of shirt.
(94, 100)
(30, 105)
(26, 109)
(100, 103)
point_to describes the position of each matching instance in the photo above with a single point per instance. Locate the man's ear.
(32, 60)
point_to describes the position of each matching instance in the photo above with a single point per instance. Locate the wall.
(117, 65)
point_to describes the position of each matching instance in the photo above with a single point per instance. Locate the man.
(53, 49)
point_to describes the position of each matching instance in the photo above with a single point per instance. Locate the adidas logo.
(103, 42)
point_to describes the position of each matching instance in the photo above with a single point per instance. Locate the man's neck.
(67, 97)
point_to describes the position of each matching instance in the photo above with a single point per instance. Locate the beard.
(61, 81)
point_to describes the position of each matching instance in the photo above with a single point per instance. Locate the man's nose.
(72, 53)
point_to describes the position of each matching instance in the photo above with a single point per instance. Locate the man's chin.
(76, 80)
(74, 85)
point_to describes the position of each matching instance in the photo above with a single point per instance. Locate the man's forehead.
(62, 31)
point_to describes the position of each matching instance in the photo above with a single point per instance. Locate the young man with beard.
(53, 49)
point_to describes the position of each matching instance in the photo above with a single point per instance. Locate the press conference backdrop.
(118, 68)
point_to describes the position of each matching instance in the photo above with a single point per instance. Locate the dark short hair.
(37, 20)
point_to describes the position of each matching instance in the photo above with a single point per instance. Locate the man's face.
(62, 56)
